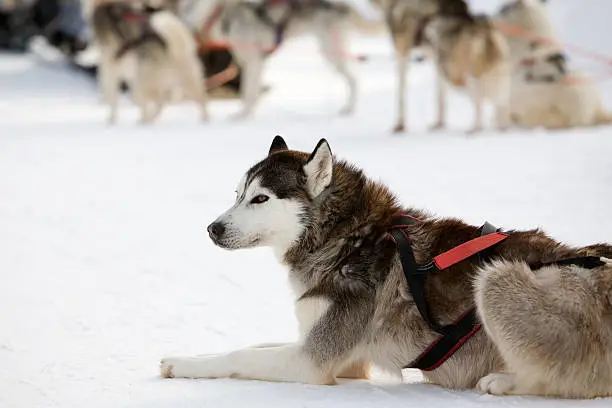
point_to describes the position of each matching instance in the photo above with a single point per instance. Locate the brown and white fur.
(406, 20)
(471, 55)
(548, 331)
(570, 99)
(250, 39)
(546, 94)
(153, 66)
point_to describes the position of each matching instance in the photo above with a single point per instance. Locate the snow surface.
(105, 262)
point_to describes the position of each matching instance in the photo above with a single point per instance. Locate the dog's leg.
(355, 370)
(194, 84)
(547, 327)
(141, 98)
(157, 105)
(335, 330)
(252, 62)
(441, 99)
(334, 51)
(358, 370)
(503, 117)
(289, 363)
(109, 84)
(477, 99)
(402, 74)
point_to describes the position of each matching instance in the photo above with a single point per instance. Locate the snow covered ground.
(106, 266)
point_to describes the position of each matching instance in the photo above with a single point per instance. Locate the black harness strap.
(452, 336)
(586, 262)
(261, 10)
(416, 275)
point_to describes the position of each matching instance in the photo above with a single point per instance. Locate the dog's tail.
(179, 40)
(182, 48)
(490, 49)
(363, 24)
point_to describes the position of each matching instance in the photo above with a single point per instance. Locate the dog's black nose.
(215, 230)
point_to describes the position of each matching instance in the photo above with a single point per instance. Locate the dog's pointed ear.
(278, 144)
(318, 169)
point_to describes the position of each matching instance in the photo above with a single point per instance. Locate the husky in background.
(471, 54)
(147, 45)
(254, 30)
(406, 22)
(548, 329)
(545, 91)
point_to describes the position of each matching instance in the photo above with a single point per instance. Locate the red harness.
(452, 336)
(134, 16)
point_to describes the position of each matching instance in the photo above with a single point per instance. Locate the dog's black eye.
(259, 199)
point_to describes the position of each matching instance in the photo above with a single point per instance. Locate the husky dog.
(406, 21)
(548, 330)
(151, 49)
(525, 23)
(470, 54)
(254, 30)
(545, 92)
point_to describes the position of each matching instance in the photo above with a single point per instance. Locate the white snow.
(106, 265)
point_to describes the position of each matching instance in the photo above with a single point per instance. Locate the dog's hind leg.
(109, 81)
(333, 49)
(441, 99)
(358, 370)
(252, 62)
(402, 74)
(477, 99)
(552, 328)
(501, 98)
(194, 83)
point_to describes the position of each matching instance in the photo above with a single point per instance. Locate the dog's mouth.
(232, 243)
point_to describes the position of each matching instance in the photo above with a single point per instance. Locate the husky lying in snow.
(547, 320)
(545, 92)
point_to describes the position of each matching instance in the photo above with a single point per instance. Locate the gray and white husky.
(253, 30)
(547, 330)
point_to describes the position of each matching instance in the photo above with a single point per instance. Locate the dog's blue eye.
(259, 199)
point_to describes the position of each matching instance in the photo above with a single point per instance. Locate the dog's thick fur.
(155, 56)
(472, 55)
(548, 331)
(251, 38)
(544, 95)
(570, 99)
(406, 20)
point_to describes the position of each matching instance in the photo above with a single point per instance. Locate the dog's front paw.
(194, 367)
(165, 368)
(497, 384)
